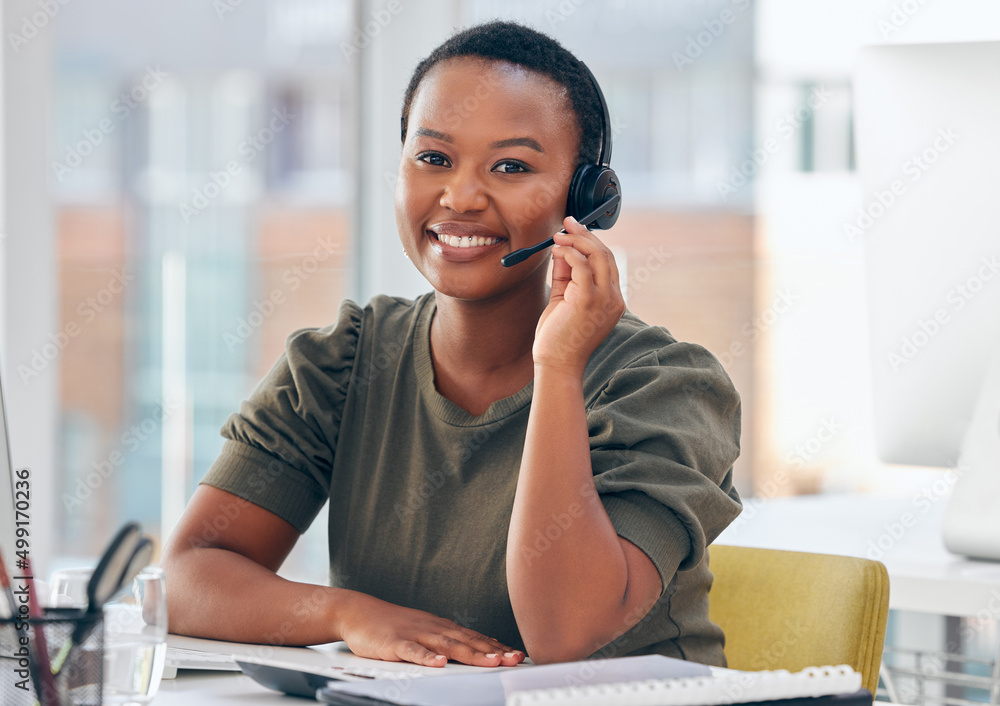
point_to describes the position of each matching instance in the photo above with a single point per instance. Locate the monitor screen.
(928, 155)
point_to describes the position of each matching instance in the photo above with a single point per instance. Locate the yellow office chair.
(792, 610)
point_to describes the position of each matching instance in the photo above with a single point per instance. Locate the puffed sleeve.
(664, 433)
(279, 448)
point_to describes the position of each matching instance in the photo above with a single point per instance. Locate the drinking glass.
(135, 640)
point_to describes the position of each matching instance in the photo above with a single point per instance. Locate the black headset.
(593, 184)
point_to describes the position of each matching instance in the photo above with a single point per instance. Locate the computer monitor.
(928, 156)
(7, 519)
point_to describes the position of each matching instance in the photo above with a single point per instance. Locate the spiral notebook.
(649, 680)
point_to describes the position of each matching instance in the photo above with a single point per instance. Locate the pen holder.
(73, 655)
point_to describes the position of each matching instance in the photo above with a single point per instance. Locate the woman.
(513, 464)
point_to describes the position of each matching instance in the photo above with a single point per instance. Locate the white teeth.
(468, 241)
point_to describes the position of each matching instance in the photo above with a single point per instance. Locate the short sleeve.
(664, 434)
(279, 448)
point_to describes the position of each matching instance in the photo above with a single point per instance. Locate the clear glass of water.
(135, 640)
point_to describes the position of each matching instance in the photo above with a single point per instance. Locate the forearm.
(566, 569)
(223, 595)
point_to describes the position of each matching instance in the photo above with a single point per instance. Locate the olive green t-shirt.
(421, 492)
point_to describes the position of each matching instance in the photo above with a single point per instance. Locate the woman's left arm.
(574, 583)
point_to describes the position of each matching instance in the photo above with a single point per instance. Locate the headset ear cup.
(591, 185)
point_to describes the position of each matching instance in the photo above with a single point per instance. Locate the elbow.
(576, 638)
(555, 655)
(568, 648)
(181, 600)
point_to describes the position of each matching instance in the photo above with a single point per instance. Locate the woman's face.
(489, 153)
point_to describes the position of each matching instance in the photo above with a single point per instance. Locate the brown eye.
(511, 166)
(435, 159)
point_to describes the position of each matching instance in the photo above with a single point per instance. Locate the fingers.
(578, 264)
(405, 635)
(489, 646)
(439, 644)
(470, 647)
(599, 258)
(562, 273)
(409, 651)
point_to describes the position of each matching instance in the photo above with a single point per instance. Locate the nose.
(464, 192)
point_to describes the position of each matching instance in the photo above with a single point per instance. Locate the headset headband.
(604, 159)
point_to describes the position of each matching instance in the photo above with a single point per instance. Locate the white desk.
(923, 575)
(229, 688)
(218, 689)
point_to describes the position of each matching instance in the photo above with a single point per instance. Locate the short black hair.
(517, 44)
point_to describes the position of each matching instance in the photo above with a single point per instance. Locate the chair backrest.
(792, 610)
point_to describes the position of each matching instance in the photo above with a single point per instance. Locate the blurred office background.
(188, 182)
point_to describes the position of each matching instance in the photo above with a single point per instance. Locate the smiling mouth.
(464, 241)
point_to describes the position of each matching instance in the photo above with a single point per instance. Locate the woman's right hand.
(374, 628)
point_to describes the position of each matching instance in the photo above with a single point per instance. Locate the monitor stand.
(972, 518)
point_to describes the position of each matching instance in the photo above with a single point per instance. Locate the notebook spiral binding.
(735, 688)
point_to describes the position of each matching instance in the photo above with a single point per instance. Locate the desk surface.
(217, 689)
(228, 688)
(924, 576)
(904, 533)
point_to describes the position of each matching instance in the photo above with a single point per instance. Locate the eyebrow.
(518, 142)
(427, 132)
(500, 144)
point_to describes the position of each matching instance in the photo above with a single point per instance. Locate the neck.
(487, 337)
